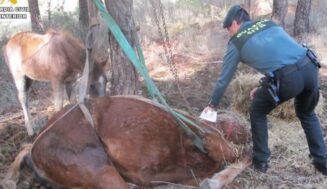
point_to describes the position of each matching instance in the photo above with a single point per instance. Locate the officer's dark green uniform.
(269, 49)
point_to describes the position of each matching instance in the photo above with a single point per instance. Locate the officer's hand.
(208, 109)
(252, 93)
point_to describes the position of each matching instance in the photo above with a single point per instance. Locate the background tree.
(124, 77)
(248, 6)
(49, 13)
(37, 24)
(83, 18)
(279, 11)
(302, 14)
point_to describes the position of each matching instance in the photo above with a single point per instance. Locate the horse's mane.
(63, 43)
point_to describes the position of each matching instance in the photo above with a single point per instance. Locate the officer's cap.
(230, 15)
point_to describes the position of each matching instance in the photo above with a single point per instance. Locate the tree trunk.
(83, 18)
(49, 13)
(37, 25)
(124, 77)
(279, 11)
(248, 6)
(302, 14)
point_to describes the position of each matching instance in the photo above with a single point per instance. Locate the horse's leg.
(22, 87)
(225, 177)
(58, 89)
(69, 88)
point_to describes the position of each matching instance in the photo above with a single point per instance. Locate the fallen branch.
(17, 115)
(6, 117)
(173, 184)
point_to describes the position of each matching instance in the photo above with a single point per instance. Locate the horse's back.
(28, 43)
(45, 56)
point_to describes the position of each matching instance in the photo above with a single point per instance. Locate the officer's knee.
(305, 115)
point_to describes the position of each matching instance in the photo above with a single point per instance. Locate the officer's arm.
(231, 60)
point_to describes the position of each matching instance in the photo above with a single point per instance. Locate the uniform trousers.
(303, 86)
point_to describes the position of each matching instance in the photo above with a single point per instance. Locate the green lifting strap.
(138, 63)
(151, 90)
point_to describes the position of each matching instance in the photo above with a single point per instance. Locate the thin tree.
(83, 18)
(124, 77)
(302, 15)
(279, 13)
(37, 24)
(49, 13)
(248, 6)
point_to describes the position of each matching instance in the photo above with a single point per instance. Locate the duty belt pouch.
(271, 85)
(312, 56)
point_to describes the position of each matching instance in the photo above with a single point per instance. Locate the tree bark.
(302, 14)
(248, 6)
(37, 24)
(49, 13)
(124, 76)
(279, 11)
(83, 18)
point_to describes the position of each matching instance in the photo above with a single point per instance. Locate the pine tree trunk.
(37, 25)
(302, 14)
(83, 18)
(279, 11)
(124, 77)
(248, 6)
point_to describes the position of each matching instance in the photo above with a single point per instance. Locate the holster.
(271, 84)
(312, 56)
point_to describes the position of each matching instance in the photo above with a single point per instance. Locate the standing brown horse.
(134, 140)
(55, 56)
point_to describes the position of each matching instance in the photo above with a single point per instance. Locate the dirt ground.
(290, 165)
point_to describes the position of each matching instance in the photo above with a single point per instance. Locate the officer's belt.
(291, 68)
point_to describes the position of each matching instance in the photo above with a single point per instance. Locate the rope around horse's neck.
(58, 119)
(40, 47)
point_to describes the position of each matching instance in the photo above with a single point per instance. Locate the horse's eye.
(92, 86)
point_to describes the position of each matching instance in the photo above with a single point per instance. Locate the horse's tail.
(5, 56)
(22, 161)
(11, 178)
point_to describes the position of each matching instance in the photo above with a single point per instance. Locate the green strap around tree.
(138, 63)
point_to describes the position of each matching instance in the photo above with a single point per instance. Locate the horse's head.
(99, 81)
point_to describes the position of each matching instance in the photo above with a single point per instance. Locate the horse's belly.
(44, 72)
(37, 76)
(146, 143)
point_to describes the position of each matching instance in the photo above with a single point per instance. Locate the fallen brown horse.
(55, 56)
(134, 140)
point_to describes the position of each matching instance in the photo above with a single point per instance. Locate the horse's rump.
(43, 57)
(69, 151)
